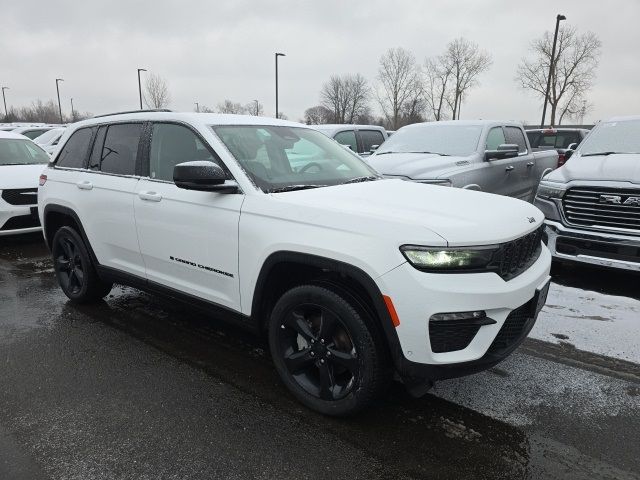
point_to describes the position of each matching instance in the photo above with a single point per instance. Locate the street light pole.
(197, 107)
(73, 117)
(58, 91)
(559, 17)
(140, 86)
(257, 108)
(277, 55)
(4, 100)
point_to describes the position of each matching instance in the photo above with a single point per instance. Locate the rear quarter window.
(74, 152)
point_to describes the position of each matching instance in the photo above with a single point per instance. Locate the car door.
(105, 195)
(188, 239)
(524, 173)
(495, 175)
(369, 139)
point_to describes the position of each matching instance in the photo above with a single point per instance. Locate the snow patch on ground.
(591, 321)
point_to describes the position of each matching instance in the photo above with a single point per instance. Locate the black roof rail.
(133, 111)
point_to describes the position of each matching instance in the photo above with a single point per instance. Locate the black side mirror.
(506, 150)
(203, 176)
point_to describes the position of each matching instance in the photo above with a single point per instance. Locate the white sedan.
(21, 163)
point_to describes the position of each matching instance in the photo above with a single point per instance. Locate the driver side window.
(172, 144)
(495, 138)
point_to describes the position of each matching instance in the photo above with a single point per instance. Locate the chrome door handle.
(84, 185)
(150, 196)
(509, 168)
(530, 164)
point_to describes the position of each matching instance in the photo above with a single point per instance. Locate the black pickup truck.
(556, 138)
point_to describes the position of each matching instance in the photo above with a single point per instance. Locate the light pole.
(58, 80)
(197, 107)
(559, 17)
(4, 100)
(73, 116)
(257, 108)
(277, 55)
(140, 86)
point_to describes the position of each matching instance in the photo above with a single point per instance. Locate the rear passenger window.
(515, 136)
(495, 138)
(347, 138)
(120, 149)
(74, 153)
(370, 138)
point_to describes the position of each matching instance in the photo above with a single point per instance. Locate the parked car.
(21, 162)
(362, 139)
(49, 140)
(558, 139)
(592, 203)
(32, 132)
(493, 157)
(350, 276)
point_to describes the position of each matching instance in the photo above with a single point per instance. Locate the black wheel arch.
(56, 216)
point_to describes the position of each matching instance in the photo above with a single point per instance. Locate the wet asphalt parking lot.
(140, 387)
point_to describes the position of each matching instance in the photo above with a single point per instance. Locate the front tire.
(326, 351)
(74, 269)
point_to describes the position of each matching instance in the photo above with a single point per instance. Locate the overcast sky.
(211, 50)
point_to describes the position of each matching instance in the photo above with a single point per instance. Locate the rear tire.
(74, 269)
(327, 352)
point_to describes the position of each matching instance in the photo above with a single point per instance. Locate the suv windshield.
(287, 158)
(21, 152)
(613, 137)
(455, 140)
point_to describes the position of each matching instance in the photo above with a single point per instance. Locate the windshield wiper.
(433, 153)
(291, 188)
(604, 154)
(369, 178)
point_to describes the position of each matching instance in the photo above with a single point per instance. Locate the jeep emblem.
(614, 199)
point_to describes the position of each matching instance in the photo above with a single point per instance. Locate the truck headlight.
(448, 259)
(445, 182)
(551, 190)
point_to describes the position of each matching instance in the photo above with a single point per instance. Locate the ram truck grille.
(603, 208)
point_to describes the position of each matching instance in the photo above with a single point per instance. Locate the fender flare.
(54, 207)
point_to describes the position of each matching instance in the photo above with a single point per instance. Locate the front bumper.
(611, 250)
(16, 219)
(418, 295)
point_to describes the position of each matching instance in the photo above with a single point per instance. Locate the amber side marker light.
(392, 311)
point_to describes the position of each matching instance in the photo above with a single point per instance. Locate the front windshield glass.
(613, 137)
(21, 152)
(455, 140)
(48, 136)
(278, 157)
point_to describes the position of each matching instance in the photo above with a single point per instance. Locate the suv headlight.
(445, 182)
(448, 259)
(551, 190)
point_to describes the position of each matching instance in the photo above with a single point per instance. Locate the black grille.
(603, 208)
(21, 196)
(513, 258)
(22, 221)
(452, 335)
(515, 327)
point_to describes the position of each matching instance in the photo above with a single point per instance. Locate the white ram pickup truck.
(274, 226)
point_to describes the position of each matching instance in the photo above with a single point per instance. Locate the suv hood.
(20, 176)
(397, 208)
(414, 165)
(621, 168)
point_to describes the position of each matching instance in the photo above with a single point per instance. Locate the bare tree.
(467, 62)
(232, 107)
(400, 82)
(254, 108)
(437, 86)
(346, 96)
(577, 58)
(318, 115)
(45, 112)
(156, 92)
(205, 109)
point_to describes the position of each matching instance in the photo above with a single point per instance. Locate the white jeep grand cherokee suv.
(352, 277)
